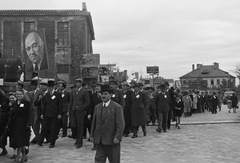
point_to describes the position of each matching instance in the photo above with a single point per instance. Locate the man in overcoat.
(138, 110)
(36, 110)
(51, 113)
(107, 128)
(162, 99)
(79, 103)
(117, 95)
(127, 95)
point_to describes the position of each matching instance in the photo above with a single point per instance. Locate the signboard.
(105, 78)
(90, 60)
(152, 69)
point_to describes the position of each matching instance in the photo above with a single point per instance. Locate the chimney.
(193, 67)
(216, 65)
(198, 66)
(84, 6)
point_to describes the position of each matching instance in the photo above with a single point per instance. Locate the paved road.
(207, 143)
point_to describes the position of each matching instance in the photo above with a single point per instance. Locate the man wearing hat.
(117, 95)
(127, 95)
(51, 112)
(79, 103)
(162, 100)
(65, 100)
(138, 112)
(151, 105)
(33, 95)
(107, 128)
(95, 98)
(171, 115)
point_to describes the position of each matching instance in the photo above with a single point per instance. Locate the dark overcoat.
(52, 105)
(127, 109)
(138, 111)
(117, 97)
(18, 122)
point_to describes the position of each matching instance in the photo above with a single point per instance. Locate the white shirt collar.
(107, 103)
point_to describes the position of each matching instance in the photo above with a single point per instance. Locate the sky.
(171, 34)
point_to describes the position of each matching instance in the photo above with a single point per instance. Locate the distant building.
(210, 75)
(68, 35)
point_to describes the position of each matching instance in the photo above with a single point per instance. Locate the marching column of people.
(96, 111)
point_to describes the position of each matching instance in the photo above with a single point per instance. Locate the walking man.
(79, 103)
(107, 128)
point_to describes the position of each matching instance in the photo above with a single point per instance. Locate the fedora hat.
(106, 88)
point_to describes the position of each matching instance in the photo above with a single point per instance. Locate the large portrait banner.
(35, 52)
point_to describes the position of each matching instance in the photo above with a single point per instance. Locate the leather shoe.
(13, 156)
(78, 146)
(93, 148)
(158, 130)
(51, 146)
(134, 136)
(46, 142)
(125, 135)
(39, 143)
(164, 130)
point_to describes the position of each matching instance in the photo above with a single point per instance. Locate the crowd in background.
(50, 108)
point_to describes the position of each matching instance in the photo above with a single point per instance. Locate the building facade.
(208, 76)
(68, 35)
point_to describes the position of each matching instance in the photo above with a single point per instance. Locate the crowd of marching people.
(50, 108)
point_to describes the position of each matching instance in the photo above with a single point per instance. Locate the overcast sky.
(171, 34)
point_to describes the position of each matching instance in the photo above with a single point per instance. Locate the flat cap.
(61, 82)
(79, 80)
(125, 84)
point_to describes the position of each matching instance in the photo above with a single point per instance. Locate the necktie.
(36, 67)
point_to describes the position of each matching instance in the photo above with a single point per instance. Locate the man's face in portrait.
(34, 47)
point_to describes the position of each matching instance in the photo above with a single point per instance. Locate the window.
(218, 81)
(63, 33)
(212, 82)
(29, 26)
(184, 82)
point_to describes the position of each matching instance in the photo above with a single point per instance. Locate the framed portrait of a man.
(35, 51)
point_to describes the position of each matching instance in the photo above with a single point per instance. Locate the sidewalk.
(208, 118)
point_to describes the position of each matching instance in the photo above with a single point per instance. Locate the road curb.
(212, 122)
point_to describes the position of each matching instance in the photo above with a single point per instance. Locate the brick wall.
(12, 37)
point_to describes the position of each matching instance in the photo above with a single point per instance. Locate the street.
(203, 138)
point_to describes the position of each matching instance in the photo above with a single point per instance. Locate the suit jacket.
(79, 100)
(52, 105)
(117, 97)
(65, 100)
(106, 127)
(94, 100)
(33, 95)
(163, 99)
